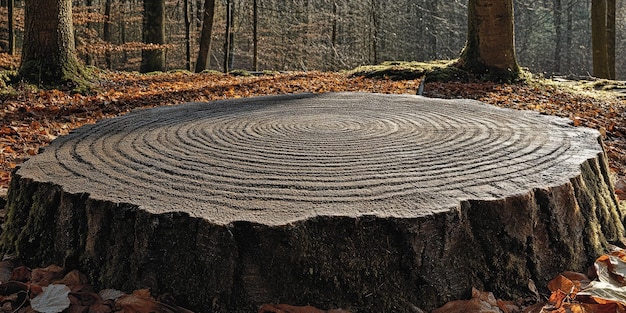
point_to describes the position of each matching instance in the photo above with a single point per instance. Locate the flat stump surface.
(275, 160)
(366, 201)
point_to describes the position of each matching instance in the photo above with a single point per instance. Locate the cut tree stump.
(368, 202)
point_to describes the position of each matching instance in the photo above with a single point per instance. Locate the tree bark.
(610, 34)
(599, 39)
(490, 47)
(558, 32)
(569, 38)
(106, 33)
(255, 35)
(187, 35)
(228, 36)
(205, 36)
(10, 7)
(48, 53)
(153, 33)
(374, 36)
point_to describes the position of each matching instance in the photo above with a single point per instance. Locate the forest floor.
(30, 118)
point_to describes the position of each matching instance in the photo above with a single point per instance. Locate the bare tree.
(205, 36)
(10, 7)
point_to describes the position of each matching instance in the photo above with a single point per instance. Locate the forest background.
(552, 37)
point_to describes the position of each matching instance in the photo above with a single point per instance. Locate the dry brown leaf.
(535, 308)
(481, 302)
(562, 283)
(45, 276)
(76, 280)
(285, 308)
(140, 301)
(557, 297)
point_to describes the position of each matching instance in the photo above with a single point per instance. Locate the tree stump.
(370, 202)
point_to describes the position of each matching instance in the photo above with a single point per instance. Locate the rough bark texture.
(153, 33)
(206, 35)
(599, 39)
(48, 53)
(490, 47)
(381, 233)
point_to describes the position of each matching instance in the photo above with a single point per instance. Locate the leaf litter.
(30, 119)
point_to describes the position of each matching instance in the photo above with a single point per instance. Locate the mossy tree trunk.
(48, 54)
(490, 48)
(153, 33)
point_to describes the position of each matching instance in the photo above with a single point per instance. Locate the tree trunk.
(122, 27)
(599, 39)
(106, 33)
(187, 35)
(255, 35)
(490, 48)
(48, 53)
(236, 203)
(610, 34)
(153, 33)
(569, 39)
(228, 43)
(374, 36)
(205, 36)
(558, 47)
(11, 6)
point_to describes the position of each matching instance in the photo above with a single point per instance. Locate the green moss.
(153, 73)
(239, 73)
(180, 71)
(270, 73)
(212, 72)
(70, 75)
(471, 62)
(440, 70)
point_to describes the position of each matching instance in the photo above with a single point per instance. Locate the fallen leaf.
(481, 302)
(53, 299)
(76, 281)
(285, 308)
(6, 270)
(110, 294)
(140, 301)
(604, 292)
(45, 276)
(564, 284)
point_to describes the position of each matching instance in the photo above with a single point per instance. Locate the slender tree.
(187, 35)
(153, 33)
(228, 36)
(205, 35)
(255, 35)
(106, 32)
(490, 48)
(10, 7)
(48, 53)
(558, 31)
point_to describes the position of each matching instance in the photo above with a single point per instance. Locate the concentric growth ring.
(283, 158)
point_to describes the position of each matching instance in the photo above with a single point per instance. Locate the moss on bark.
(48, 54)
